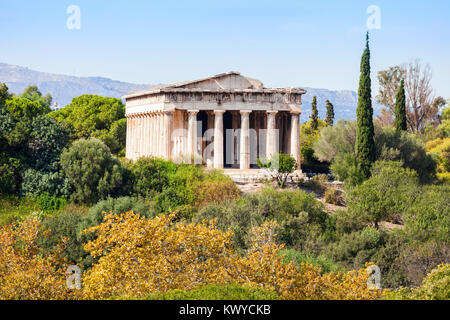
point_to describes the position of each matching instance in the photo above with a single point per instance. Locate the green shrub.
(319, 183)
(182, 188)
(60, 226)
(281, 167)
(355, 249)
(93, 172)
(428, 217)
(216, 292)
(10, 175)
(50, 203)
(299, 215)
(386, 195)
(118, 206)
(36, 183)
(15, 208)
(334, 196)
(337, 144)
(416, 259)
(345, 168)
(47, 140)
(151, 175)
(326, 264)
(436, 286)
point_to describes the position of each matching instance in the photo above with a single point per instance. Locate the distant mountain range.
(64, 88)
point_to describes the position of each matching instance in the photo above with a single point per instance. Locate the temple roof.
(222, 83)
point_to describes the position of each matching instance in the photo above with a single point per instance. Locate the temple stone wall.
(167, 122)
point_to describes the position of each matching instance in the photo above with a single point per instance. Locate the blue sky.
(283, 43)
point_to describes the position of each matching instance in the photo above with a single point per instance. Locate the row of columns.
(149, 133)
(271, 140)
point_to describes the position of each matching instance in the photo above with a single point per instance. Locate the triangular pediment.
(225, 81)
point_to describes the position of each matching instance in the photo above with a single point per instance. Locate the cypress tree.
(314, 115)
(400, 109)
(365, 144)
(330, 113)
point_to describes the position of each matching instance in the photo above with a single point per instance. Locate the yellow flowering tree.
(138, 257)
(264, 268)
(26, 273)
(441, 148)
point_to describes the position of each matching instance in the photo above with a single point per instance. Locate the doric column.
(145, 137)
(218, 139)
(167, 133)
(139, 136)
(150, 134)
(295, 137)
(159, 137)
(271, 139)
(192, 139)
(127, 141)
(130, 144)
(245, 140)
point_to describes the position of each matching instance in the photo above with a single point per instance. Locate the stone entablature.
(166, 121)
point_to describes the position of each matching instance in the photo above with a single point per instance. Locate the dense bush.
(336, 144)
(115, 205)
(180, 187)
(47, 140)
(50, 203)
(10, 178)
(386, 195)
(323, 262)
(301, 217)
(309, 137)
(345, 167)
(93, 172)
(155, 264)
(36, 183)
(436, 286)
(440, 148)
(64, 227)
(334, 196)
(428, 217)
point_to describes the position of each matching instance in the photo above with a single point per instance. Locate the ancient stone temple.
(224, 121)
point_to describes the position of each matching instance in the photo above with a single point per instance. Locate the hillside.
(64, 88)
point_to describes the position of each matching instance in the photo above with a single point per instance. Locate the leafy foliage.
(280, 165)
(436, 286)
(155, 263)
(24, 273)
(386, 194)
(93, 172)
(216, 292)
(336, 146)
(95, 116)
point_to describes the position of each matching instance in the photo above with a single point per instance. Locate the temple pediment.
(225, 81)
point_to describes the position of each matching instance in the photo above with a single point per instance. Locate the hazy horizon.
(283, 44)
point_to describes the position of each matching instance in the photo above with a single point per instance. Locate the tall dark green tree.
(365, 144)
(314, 115)
(400, 109)
(330, 113)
